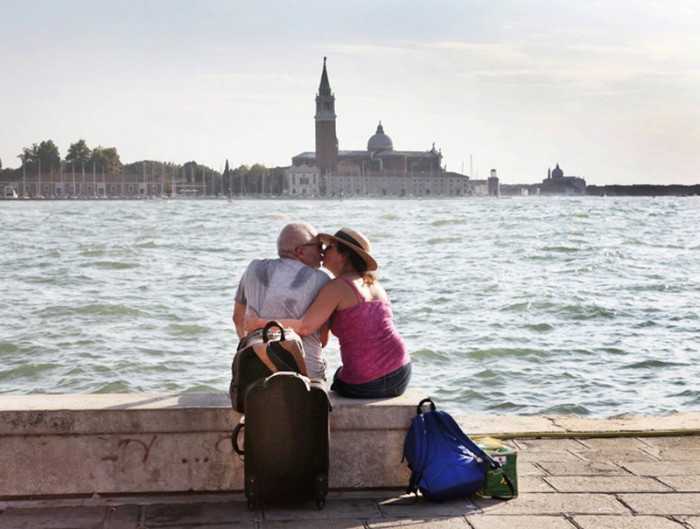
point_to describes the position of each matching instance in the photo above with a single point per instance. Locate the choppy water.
(521, 306)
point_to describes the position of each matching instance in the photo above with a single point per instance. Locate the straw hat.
(354, 240)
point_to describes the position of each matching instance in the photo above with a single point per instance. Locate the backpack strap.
(272, 360)
(448, 422)
(420, 438)
(295, 352)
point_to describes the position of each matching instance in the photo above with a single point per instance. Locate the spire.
(324, 89)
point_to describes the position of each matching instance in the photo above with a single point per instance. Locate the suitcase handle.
(234, 438)
(268, 326)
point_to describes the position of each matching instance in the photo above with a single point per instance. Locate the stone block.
(548, 445)
(626, 522)
(677, 422)
(582, 468)
(663, 468)
(606, 484)
(663, 504)
(528, 484)
(554, 505)
(679, 444)
(615, 455)
(410, 507)
(70, 517)
(682, 483)
(519, 522)
(693, 522)
(506, 425)
(624, 443)
(456, 522)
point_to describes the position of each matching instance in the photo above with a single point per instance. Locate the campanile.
(326, 140)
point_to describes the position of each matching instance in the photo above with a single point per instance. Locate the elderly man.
(285, 287)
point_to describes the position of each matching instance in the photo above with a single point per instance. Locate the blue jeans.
(391, 385)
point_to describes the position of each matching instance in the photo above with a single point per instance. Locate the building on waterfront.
(145, 179)
(379, 170)
(558, 184)
(85, 185)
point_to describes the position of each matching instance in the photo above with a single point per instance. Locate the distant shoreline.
(506, 190)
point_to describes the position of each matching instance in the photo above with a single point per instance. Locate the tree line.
(44, 158)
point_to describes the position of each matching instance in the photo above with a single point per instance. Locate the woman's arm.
(314, 317)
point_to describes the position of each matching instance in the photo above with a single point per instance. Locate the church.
(377, 171)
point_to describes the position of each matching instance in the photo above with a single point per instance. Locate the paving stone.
(692, 521)
(663, 504)
(528, 469)
(334, 509)
(70, 518)
(309, 524)
(167, 515)
(547, 445)
(455, 522)
(606, 484)
(475, 425)
(540, 456)
(49, 503)
(682, 483)
(626, 522)
(583, 468)
(483, 521)
(527, 484)
(630, 424)
(664, 468)
(554, 504)
(406, 507)
(672, 454)
(687, 442)
(615, 455)
(628, 443)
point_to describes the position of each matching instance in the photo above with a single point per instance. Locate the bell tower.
(326, 140)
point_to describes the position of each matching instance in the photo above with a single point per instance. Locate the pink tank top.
(370, 345)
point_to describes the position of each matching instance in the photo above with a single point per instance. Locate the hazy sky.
(610, 90)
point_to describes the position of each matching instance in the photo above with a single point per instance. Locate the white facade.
(416, 185)
(303, 181)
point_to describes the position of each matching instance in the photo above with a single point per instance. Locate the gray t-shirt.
(284, 288)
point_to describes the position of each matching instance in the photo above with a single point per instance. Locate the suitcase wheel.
(321, 482)
(251, 492)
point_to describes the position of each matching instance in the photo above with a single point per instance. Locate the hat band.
(344, 236)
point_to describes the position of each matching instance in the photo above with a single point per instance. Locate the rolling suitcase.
(286, 439)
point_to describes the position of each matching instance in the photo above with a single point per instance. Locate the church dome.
(380, 141)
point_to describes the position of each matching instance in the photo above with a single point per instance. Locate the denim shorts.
(391, 385)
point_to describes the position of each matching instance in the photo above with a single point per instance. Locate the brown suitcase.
(286, 440)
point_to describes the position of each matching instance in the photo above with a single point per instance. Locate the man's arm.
(239, 319)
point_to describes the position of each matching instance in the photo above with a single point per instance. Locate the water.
(585, 306)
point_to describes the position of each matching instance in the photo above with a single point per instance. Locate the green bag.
(497, 479)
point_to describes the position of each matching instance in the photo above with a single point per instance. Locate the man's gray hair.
(294, 235)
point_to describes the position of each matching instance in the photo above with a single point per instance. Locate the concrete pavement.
(635, 481)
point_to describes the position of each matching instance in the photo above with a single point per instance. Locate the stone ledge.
(161, 443)
(121, 444)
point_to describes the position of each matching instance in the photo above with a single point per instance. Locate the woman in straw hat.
(376, 363)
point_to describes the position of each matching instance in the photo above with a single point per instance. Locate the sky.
(609, 90)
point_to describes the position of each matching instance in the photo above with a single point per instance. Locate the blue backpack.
(445, 464)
